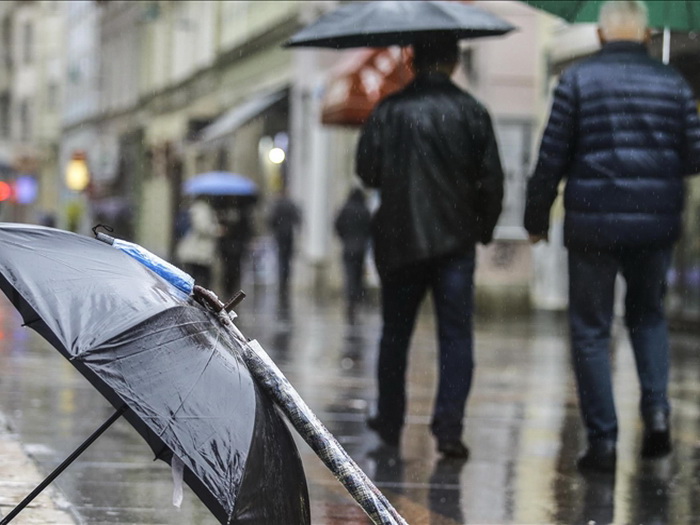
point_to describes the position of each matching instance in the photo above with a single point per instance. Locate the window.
(28, 43)
(7, 42)
(25, 124)
(52, 96)
(5, 116)
(467, 61)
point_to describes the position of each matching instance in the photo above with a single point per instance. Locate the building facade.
(152, 92)
(31, 82)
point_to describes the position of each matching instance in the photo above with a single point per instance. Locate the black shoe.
(599, 457)
(388, 436)
(656, 442)
(453, 448)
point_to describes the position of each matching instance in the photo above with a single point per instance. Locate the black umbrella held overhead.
(398, 23)
(163, 360)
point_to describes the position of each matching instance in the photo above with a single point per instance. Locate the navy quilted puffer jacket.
(623, 131)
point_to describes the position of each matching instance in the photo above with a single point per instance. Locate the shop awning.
(360, 82)
(239, 115)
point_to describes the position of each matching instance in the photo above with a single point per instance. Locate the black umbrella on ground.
(398, 23)
(167, 354)
(166, 363)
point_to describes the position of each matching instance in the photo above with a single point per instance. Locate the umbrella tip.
(235, 300)
(103, 236)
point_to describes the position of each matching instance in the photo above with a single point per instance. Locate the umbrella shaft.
(312, 430)
(70, 459)
(316, 435)
(666, 46)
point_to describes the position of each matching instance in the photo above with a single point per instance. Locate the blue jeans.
(451, 280)
(591, 298)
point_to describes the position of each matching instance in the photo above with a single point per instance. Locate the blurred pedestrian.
(182, 223)
(623, 131)
(233, 245)
(430, 149)
(353, 226)
(196, 251)
(284, 219)
(47, 219)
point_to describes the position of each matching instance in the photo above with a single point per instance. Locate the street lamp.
(77, 172)
(276, 155)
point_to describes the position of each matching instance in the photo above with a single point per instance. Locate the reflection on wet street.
(522, 427)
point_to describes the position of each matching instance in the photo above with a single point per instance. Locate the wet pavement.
(522, 427)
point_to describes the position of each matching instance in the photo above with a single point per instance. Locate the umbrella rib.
(56, 260)
(117, 359)
(187, 395)
(21, 246)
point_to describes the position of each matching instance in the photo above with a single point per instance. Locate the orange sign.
(359, 83)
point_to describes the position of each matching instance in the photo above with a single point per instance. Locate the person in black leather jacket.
(431, 151)
(624, 132)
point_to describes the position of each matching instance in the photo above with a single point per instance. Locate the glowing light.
(26, 189)
(276, 155)
(77, 173)
(5, 191)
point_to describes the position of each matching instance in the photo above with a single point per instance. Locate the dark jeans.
(354, 266)
(591, 298)
(284, 270)
(451, 281)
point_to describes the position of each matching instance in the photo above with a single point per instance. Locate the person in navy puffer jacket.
(624, 132)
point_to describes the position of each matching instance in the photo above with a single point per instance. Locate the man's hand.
(534, 239)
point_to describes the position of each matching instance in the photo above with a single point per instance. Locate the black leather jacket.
(624, 131)
(431, 151)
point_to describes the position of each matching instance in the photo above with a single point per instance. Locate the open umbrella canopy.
(397, 23)
(222, 183)
(681, 15)
(146, 345)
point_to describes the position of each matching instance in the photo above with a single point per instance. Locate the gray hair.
(627, 16)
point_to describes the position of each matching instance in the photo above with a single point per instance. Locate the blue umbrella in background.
(221, 183)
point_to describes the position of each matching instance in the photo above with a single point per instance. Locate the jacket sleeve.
(691, 148)
(368, 159)
(556, 153)
(489, 185)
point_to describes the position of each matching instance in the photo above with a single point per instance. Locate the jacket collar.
(624, 46)
(432, 77)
